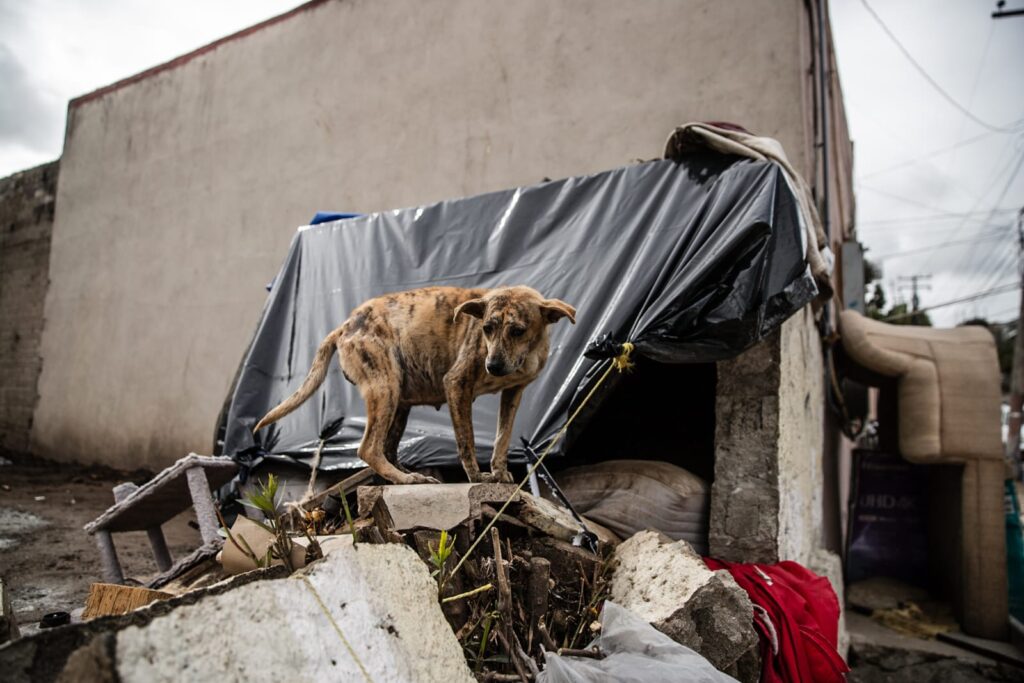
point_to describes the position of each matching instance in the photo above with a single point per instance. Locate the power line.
(979, 295)
(932, 247)
(1005, 265)
(997, 202)
(929, 155)
(977, 75)
(923, 222)
(900, 198)
(931, 80)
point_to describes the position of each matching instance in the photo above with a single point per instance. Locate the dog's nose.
(496, 368)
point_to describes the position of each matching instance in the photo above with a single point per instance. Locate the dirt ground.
(46, 558)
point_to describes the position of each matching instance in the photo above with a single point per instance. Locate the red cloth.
(799, 627)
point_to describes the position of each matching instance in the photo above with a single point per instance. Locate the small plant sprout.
(439, 555)
(264, 498)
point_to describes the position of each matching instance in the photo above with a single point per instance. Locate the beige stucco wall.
(180, 192)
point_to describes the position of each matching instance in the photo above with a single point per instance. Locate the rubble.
(510, 587)
(453, 581)
(667, 583)
(40, 657)
(368, 611)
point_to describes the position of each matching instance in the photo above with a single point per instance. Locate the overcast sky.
(927, 174)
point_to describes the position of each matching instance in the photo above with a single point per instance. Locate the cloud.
(29, 118)
(936, 193)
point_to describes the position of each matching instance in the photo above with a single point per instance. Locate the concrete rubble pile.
(431, 583)
(667, 583)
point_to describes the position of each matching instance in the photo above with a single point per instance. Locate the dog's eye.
(489, 329)
(517, 332)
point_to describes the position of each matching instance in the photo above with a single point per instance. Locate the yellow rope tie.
(622, 363)
(337, 629)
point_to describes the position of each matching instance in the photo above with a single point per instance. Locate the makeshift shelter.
(691, 261)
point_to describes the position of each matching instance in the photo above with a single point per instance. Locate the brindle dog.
(432, 346)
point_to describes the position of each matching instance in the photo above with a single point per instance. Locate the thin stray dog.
(432, 346)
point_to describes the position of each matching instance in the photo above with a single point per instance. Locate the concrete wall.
(180, 189)
(801, 437)
(744, 520)
(766, 500)
(26, 222)
(769, 500)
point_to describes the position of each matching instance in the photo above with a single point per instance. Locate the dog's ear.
(473, 307)
(554, 310)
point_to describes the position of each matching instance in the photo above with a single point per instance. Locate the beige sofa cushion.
(948, 385)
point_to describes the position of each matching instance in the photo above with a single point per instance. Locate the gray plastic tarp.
(692, 261)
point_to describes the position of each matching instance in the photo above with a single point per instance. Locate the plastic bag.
(635, 651)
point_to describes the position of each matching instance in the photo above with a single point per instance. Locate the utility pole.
(917, 282)
(1017, 373)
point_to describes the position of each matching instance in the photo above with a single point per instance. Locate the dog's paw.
(414, 478)
(502, 477)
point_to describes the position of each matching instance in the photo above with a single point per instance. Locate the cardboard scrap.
(259, 540)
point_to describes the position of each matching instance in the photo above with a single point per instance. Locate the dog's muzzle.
(496, 368)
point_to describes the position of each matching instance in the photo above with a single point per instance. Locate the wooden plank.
(345, 486)
(106, 599)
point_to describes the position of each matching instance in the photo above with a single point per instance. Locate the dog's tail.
(314, 379)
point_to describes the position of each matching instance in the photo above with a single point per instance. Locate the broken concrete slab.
(667, 583)
(432, 506)
(92, 663)
(41, 656)
(363, 612)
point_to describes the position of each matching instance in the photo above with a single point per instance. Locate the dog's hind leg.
(381, 404)
(395, 432)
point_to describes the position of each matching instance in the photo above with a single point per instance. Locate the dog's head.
(515, 322)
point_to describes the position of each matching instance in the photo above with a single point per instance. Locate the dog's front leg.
(506, 416)
(460, 405)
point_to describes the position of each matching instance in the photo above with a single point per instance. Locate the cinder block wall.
(26, 223)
